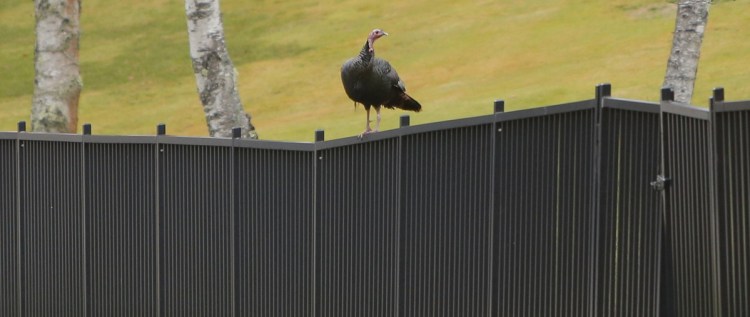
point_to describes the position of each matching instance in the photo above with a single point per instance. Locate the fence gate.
(705, 181)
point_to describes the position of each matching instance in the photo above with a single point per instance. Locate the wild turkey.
(372, 82)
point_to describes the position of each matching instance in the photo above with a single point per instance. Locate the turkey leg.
(367, 124)
(377, 123)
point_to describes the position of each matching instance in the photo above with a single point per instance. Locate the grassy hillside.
(456, 57)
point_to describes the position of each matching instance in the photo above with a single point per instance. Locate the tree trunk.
(215, 75)
(682, 67)
(57, 81)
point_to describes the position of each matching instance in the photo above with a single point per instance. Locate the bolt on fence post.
(161, 129)
(21, 126)
(499, 105)
(404, 121)
(320, 135)
(87, 129)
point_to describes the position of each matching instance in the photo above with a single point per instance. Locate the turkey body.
(373, 82)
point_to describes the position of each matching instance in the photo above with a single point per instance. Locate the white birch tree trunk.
(215, 74)
(57, 80)
(682, 67)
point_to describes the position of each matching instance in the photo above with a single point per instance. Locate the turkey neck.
(365, 54)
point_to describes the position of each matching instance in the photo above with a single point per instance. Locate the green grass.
(455, 57)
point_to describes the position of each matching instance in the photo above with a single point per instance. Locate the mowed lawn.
(456, 58)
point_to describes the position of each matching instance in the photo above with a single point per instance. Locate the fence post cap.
(499, 105)
(404, 121)
(320, 135)
(21, 126)
(604, 90)
(667, 94)
(718, 94)
(161, 129)
(87, 129)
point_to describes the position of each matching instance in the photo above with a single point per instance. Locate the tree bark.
(57, 80)
(682, 67)
(215, 74)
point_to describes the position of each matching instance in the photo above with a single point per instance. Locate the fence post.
(666, 292)
(400, 298)
(715, 188)
(19, 226)
(601, 92)
(498, 107)
(161, 129)
(317, 206)
(84, 219)
(234, 203)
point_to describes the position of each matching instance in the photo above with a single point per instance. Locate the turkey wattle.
(372, 82)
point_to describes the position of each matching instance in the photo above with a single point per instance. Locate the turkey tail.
(403, 101)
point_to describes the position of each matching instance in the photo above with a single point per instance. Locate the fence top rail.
(274, 145)
(54, 137)
(8, 135)
(120, 139)
(407, 130)
(729, 106)
(685, 110)
(545, 111)
(630, 105)
(182, 140)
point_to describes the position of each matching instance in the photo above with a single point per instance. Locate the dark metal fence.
(732, 142)
(542, 212)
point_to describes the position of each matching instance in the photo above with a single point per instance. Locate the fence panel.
(732, 126)
(485, 216)
(8, 227)
(275, 232)
(121, 254)
(196, 229)
(690, 212)
(52, 240)
(359, 229)
(630, 210)
(447, 220)
(543, 198)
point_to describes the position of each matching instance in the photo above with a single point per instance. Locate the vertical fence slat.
(359, 229)
(732, 130)
(8, 227)
(689, 203)
(51, 229)
(630, 216)
(120, 229)
(543, 200)
(446, 213)
(275, 233)
(196, 232)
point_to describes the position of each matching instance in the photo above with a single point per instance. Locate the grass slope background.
(456, 58)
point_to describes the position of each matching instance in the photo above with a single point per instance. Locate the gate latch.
(661, 182)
